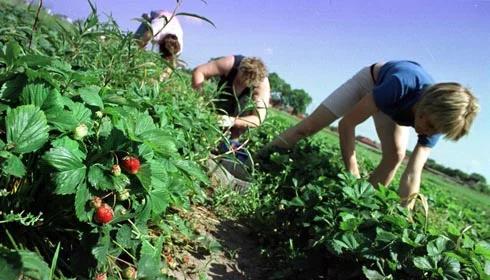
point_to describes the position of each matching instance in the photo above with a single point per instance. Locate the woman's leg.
(394, 140)
(320, 118)
(332, 108)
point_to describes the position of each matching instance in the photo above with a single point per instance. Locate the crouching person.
(244, 97)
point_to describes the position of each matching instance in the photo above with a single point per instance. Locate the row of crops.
(317, 220)
(100, 157)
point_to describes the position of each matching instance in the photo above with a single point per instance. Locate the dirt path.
(236, 257)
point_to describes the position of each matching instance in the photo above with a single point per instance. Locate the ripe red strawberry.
(131, 164)
(129, 273)
(116, 170)
(103, 214)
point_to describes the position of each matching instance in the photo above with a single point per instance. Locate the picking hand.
(226, 121)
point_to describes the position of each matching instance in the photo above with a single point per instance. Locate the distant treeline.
(294, 101)
(474, 180)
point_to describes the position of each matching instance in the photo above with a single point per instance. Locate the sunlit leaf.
(90, 95)
(149, 260)
(14, 166)
(27, 129)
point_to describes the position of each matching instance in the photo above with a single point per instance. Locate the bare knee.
(394, 158)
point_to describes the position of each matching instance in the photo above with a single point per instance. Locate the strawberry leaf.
(149, 261)
(40, 96)
(62, 120)
(192, 169)
(81, 113)
(70, 166)
(98, 179)
(90, 95)
(65, 159)
(81, 197)
(34, 266)
(160, 142)
(160, 200)
(27, 129)
(101, 250)
(13, 166)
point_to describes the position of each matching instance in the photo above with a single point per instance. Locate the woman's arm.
(410, 180)
(218, 67)
(261, 97)
(358, 114)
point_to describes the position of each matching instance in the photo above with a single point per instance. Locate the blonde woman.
(243, 80)
(398, 95)
(242, 103)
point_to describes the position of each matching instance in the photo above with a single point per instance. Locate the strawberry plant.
(73, 112)
(314, 220)
(99, 158)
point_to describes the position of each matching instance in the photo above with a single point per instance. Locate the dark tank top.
(227, 101)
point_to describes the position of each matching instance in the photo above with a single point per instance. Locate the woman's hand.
(226, 121)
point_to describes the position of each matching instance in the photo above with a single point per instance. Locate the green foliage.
(306, 199)
(90, 75)
(298, 99)
(14, 263)
(73, 103)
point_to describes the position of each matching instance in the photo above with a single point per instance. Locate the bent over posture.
(245, 89)
(397, 94)
(165, 31)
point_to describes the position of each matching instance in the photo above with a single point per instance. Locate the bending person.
(398, 95)
(165, 31)
(245, 90)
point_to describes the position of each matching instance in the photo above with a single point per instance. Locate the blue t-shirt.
(400, 85)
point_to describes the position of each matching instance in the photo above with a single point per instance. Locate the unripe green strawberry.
(129, 273)
(123, 195)
(131, 164)
(103, 214)
(80, 131)
(116, 170)
(99, 114)
(96, 202)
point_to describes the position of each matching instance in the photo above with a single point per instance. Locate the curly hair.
(451, 107)
(253, 70)
(169, 46)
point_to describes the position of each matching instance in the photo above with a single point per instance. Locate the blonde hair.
(450, 107)
(253, 70)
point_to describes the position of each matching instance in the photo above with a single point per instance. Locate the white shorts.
(350, 92)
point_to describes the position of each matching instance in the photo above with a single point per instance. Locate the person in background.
(398, 95)
(166, 32)
(242, 103)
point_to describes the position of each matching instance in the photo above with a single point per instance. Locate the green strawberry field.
(102, 159)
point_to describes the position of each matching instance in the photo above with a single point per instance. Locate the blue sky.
(318, 45)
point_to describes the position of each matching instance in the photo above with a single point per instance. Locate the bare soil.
(237, 258)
